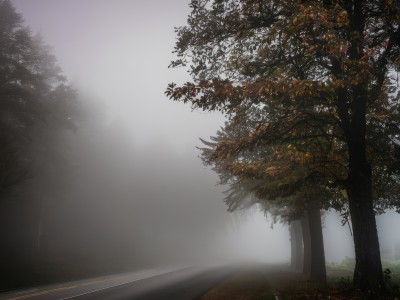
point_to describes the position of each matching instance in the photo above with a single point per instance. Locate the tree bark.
(296, 239)
(314, 254)
(293, 254)
(368, 268)
(299, 245)
(318, 268)
(353, 112)
(307, 245)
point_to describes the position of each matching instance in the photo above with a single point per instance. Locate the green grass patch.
(339, 283)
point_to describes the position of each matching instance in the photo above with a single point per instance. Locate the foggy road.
(185, 284)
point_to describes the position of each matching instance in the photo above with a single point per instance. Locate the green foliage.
(387, 275)
(342, 268)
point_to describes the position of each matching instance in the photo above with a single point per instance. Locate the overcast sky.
(119, 51)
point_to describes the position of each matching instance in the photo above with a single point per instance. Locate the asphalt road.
(182, 284)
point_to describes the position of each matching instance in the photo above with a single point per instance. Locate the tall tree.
(251, 180)
(31, 86)
(37, 107)
(296, 244)
(321, 73)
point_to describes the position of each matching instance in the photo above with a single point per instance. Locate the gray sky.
(119, 51)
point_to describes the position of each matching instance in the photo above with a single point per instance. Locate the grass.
(343, 271)
(340, 284)
(266, 281)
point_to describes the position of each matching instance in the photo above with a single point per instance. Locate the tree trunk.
(296, 239)
(368, 268)
(314, 255)
(307, 245)
(353, 112)
(318, 268)
(293, 254)
(299, 245)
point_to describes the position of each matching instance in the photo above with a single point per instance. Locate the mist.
(127, 187)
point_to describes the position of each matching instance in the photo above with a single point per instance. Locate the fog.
(135, 193)
(120, 52)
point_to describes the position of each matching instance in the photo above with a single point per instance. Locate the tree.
(37, 107)
(31, 86)
(321, 73)
(296, 245)
(250, 182)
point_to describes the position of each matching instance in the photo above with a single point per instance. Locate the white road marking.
(37, 292)
(109, 287)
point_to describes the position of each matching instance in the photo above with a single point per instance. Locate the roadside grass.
(342, 272)
(251, 282)
(340, 284)
(280, 282)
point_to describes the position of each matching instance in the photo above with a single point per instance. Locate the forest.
(285, 110)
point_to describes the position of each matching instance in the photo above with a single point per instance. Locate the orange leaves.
(309, 14)
(187, 91)
(245, 94)
(208, 95)
(272, 171)
(342, 18)
(303, 88)
(256, 170)
(211, 95)
(338, 83)
(283, 88)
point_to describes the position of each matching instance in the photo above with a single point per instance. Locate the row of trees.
(297, 204)
(32, 92)
(311, 92)
(37, 109)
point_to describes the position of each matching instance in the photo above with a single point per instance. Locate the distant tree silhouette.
(31, 89)
(252, 179)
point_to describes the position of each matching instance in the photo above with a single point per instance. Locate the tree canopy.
(32, 89)
(318, 76)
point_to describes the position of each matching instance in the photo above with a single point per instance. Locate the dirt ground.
(279, 282)
(253, 283)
